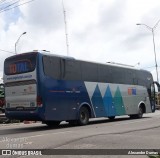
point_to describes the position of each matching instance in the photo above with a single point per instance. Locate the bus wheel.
(132, 116)
(140, 113)
(52, 123)
(111, 118)
(83, 118)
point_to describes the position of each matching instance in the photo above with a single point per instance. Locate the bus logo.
(18, 68)
(132, 91)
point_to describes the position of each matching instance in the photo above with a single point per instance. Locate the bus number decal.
(12, 68)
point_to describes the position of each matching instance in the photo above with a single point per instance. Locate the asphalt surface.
(123, 133)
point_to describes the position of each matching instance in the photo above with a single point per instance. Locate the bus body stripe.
(109, 99)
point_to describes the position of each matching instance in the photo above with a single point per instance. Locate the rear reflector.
(39, 101)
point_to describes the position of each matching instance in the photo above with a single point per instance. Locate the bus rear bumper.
(24, 115)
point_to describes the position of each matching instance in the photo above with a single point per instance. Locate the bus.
(53, 88)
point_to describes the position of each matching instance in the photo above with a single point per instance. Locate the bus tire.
(52, 123)
(111, 118)
(132, 116)
(140, 112)
(83, 117)
(139, 115)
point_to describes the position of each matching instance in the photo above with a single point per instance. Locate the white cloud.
(98, 30)
(46, 15)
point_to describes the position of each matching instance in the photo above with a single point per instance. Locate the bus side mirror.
(158, 85)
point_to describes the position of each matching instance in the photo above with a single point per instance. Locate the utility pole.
(66, 33)
(152, 29)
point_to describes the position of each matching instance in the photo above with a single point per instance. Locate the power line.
(7, 2)
(7, 51)
(2, 1)
(9, 5)
(149, 67)
(3, 10)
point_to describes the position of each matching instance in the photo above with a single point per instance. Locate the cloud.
(46, 15)
(111, 15)
(11, 17)
(98, 30)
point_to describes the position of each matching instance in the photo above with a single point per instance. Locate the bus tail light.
(39, 101)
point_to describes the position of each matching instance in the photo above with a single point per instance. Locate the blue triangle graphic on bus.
(108, 103)
(118, 102)
(97, 102)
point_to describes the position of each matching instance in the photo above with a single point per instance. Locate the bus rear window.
(20, 64)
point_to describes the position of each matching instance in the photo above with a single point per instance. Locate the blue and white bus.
(52, 88)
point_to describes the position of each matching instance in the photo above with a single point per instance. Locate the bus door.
(156, 94)
(152, 97)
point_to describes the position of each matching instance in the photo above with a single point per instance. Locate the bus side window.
(72, 69)
(104, 73)
(51, 66)
(89, 71)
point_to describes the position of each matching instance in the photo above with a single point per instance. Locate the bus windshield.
(20, 64)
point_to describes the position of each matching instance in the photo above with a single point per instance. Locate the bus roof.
(44, 52)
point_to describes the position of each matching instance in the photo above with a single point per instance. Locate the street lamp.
(152, 30)
(18, 41)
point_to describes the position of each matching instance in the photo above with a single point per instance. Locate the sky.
(98, 30)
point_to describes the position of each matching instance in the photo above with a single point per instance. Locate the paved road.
(123, 133)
